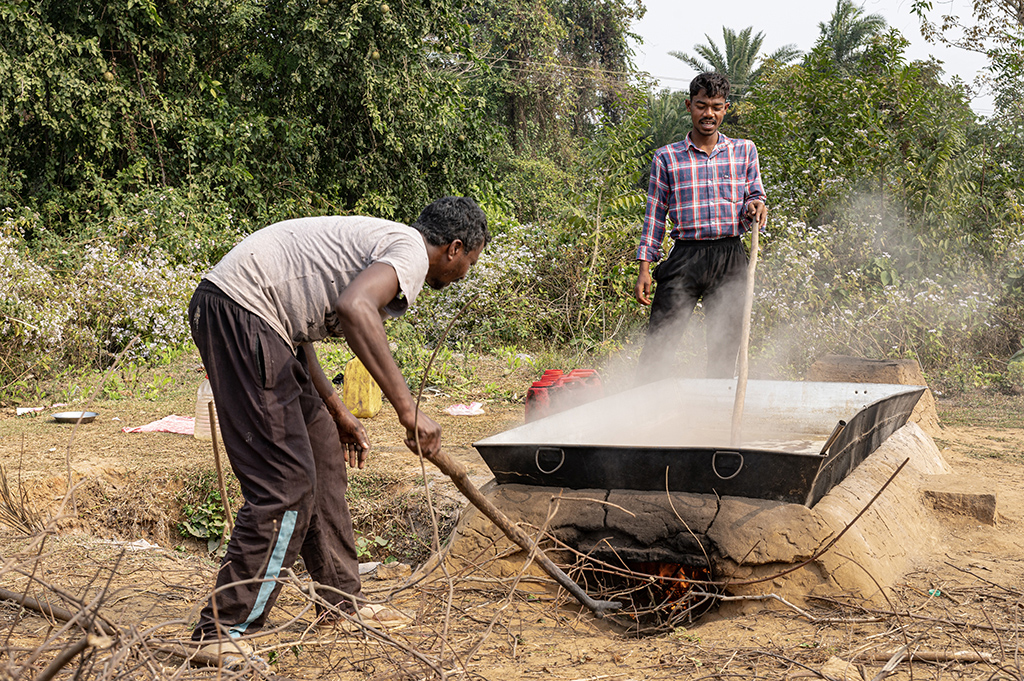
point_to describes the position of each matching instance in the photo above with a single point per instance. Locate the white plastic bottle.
(204, 397)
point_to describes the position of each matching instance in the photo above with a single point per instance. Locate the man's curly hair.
(713, 83)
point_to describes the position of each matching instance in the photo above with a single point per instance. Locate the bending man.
(288, 435)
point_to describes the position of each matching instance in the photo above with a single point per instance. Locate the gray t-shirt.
(291, 273)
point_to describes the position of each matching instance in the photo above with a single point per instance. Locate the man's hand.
(429, 432)
(354, 441)
(643, 284)
(757, 211)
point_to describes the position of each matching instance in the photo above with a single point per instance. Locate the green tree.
(739, 58)
(600, 55)
(521, 76)
(552, 64)
(847, 33)
(669, 119)
(894, 132)
(996, 30)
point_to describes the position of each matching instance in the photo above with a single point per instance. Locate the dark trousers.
(284, 449)
(714, 272)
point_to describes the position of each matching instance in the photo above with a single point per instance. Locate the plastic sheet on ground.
(182, 425)
(471, 409)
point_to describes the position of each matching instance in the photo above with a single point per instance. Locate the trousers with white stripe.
(284, 449)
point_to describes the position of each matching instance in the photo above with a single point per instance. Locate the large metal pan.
(676, 434)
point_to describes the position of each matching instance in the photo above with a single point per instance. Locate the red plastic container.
(538, 400)
(557, 391)
(592, 380)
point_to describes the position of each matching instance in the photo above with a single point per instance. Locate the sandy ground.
(960, 607)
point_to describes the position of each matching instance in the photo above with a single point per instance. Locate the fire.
(657, 596)
(674, 579)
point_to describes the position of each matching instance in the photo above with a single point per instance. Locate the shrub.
(77, 307)
(834, 289)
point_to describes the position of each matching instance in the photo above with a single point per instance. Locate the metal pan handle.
(714, 465)
(561, 459)
(836, 432)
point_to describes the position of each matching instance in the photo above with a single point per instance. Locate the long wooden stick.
(228, 522)
(748, 308)
(457, 473)
(50, 610)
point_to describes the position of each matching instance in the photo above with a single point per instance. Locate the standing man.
(288, 435)
(709, 187)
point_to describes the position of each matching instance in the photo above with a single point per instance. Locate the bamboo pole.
(748, 308)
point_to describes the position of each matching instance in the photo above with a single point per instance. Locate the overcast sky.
(679, 25)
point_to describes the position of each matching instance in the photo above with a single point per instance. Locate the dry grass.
(126, 608)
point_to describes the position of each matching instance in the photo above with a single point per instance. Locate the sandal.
(233, 654)
(371, 614)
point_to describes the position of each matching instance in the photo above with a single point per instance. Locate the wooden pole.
(457, 473)
(228, 522)
(748, 308)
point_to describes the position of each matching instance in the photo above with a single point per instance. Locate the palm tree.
(739, 59)
(670, 121)
(848, 31)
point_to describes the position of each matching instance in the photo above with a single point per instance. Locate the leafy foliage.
(889, 239)
(139, 141)
(892, 131)
(670, 121)
(75, 307)
(202, 511)
(570, 278)
(997, 30)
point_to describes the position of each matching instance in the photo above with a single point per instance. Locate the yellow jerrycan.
(360, 393)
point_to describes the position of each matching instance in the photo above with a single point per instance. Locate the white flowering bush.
(530, 287)
(834, 289)
(142, 295)
(188, 228)
(65, 309)
(508, 276)
(32, 315)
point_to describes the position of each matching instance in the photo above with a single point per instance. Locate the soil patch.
(959, 606)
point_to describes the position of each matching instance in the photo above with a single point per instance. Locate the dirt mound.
(846, 369)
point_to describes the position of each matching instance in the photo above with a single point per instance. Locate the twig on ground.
(63, 659)
(933, 655)
(797, 663)
(759, 597)
(1011, 592)
(922, 618)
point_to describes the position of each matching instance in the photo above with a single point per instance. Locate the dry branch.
(15, 510)
(934, 656)
(50, 610)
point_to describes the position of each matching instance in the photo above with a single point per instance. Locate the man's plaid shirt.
(703, 195)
